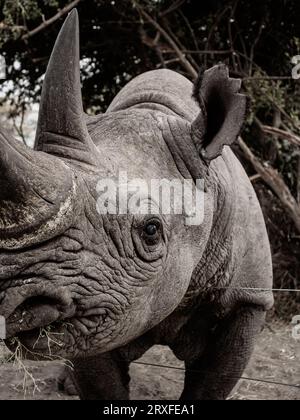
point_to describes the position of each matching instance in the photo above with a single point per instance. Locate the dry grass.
(21, 353)
(17, 358)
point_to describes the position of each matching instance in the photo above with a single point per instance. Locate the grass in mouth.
(18, 357)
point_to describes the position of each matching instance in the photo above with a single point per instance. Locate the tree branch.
(4, 25)
(255, 178)
(261, 27)
(275, 181)
(268, 78)
(167, 62)
(267, 173)
(298, 181)
(49, 22)
(180, 45)
(201, 52)
(189, 68)
(191, 30)
(19, 128)
(292, 138)
(172, 8)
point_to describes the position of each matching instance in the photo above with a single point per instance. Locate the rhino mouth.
(34, 316)
(45, 328)
(36, 343)
(48, 321)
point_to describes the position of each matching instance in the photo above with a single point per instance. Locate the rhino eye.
(152, 232)
(151, 229)
(149, 238)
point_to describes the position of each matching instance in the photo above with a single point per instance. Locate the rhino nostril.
(38, 311)
(35, 304)
(35, 307)
(35, 301)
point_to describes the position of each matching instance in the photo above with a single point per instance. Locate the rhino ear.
(61, 128)
(223, 112)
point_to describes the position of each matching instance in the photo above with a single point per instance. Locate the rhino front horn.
(37, 194)
(61, 128)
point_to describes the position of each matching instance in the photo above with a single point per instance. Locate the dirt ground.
(276, 359)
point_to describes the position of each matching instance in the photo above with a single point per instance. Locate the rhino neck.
(216, 266)
(160, 90)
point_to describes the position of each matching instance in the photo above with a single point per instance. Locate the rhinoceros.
(108, 286)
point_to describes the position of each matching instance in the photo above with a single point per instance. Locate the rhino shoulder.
(252, 277)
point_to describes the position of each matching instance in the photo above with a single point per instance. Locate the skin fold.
(99, 284)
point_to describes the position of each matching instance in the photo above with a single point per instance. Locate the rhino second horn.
(37, 194)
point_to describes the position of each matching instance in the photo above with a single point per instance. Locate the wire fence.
(264, 381)
(244, 378)
(260, 289)
(297, 386)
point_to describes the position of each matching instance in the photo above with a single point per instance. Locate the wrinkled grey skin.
(98, 282)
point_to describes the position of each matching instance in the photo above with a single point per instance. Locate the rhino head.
(97, 281)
